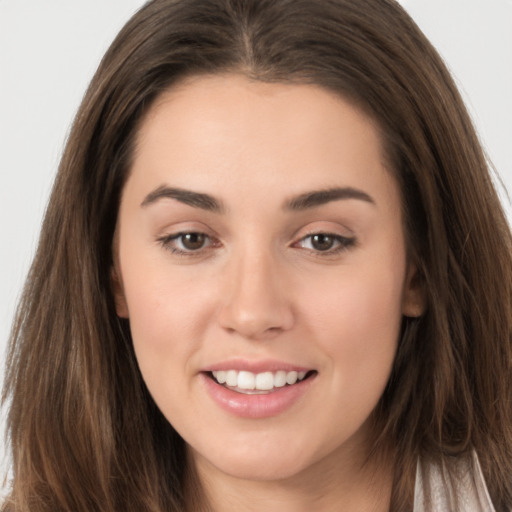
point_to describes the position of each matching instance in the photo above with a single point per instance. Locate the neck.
(333, 483)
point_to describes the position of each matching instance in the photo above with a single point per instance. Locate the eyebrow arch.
(194, 199)
(320, 197)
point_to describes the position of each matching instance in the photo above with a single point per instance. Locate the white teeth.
(221, 377)
(246, 380)
(280, 379)
(291, 378)
(231, 378)
(264, 381)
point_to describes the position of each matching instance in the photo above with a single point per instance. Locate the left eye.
(325, 242)
(186, 242)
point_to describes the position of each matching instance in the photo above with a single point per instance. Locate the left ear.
(413, 302)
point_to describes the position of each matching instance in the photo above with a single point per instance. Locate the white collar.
(466, 485)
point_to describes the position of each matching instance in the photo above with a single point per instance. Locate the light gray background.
(49, 50)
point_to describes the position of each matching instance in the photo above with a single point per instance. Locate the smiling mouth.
(250, 383)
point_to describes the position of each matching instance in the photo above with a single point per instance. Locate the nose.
(256, 300)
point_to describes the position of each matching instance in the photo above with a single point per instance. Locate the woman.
(273, 272)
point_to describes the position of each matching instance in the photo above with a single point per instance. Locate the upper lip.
(268, 365)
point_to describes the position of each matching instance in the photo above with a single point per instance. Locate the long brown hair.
(85, 435)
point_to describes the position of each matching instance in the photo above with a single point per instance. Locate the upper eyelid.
(334, 227)
(178, 230)
(328, 233)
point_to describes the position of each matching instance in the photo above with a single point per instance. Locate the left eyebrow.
(320, 197)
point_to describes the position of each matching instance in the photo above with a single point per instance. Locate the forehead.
(279, 106)
(217, 129)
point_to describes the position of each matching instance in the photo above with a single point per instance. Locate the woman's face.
(262, 266)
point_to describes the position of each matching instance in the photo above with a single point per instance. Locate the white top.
(468, 485)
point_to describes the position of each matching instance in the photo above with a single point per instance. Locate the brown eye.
(193, 241)
(322, 242)
(327, 243)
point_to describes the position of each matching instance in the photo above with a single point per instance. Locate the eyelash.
(342, 243)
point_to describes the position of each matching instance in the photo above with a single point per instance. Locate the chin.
(259, 462)
(260, 470)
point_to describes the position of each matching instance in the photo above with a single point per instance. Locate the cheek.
(166, 313)
(359, 301)
(165, 322)
(358, 323)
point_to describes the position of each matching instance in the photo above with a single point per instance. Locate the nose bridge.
(256, 303)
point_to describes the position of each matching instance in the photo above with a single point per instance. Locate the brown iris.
(322, 242)
(193, 241)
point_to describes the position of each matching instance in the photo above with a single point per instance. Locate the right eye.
(186, 242)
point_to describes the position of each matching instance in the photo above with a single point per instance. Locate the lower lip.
(256, 406)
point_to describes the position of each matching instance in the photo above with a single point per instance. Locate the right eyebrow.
(189, 197)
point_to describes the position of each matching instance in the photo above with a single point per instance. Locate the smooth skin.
(254, 272)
